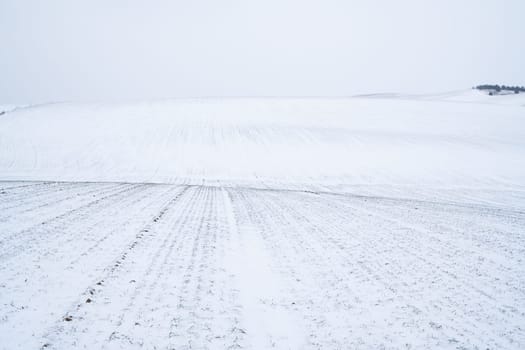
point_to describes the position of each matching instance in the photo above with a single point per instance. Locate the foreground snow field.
(121, 266)
(379, 222)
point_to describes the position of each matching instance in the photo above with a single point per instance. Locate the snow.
(344, 223)
(467, 96)
(186, 266)
(345, 140)
(7, 108)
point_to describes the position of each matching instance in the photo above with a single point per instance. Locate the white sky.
(123, 49)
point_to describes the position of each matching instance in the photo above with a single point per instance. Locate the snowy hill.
(379, 222)
(459, 138)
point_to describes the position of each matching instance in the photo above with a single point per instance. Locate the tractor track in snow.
(53, 199)
(54, 224)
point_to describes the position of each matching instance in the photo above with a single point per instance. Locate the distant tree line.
(499, 88)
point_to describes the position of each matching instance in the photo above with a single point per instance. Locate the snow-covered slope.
(468, 96)
(354, 223)
(7, 108)
(326, 141)
(148, 266)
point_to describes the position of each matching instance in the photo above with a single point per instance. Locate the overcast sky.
(58, 50)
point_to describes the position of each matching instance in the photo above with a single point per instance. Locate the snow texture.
(122, 266)
(356, 223)
(403, 140)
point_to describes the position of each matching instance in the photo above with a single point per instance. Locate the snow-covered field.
(379, 222)
(408, 140)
